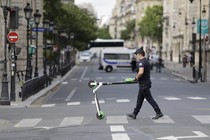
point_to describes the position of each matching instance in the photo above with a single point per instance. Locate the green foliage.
(73, 20)
(103, 33)
(129, 30)
(151, 24)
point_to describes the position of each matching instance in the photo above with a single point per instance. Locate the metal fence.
(33, 86)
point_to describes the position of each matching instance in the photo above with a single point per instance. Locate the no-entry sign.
(13, 37)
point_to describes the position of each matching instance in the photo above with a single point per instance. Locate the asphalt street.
(68, 111)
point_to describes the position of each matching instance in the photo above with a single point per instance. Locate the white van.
(113, 59)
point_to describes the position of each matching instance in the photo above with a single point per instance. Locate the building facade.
(21, 43)
(180, 20)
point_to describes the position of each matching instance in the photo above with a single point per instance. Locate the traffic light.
(191, 1)
(14, 16)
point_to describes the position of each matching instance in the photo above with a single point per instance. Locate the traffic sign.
(40, 29)
(13, 37)
(204, 26)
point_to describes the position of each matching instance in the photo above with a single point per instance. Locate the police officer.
(143, 78)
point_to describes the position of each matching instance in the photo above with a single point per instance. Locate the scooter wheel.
(101, 116)
(92, 84)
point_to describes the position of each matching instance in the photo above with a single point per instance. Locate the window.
(116, 56)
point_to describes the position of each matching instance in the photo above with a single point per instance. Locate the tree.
(73, 20)
(103, 33)
(151, 24)
(129, 30)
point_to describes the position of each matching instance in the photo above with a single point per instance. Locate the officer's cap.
(139, 51)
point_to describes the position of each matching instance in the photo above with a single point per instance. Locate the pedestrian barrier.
(33, 86)
(65, 69)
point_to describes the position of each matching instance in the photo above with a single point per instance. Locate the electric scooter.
(96, 85)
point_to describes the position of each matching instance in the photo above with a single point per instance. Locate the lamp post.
(37, 17)
(55, 32)
(46, 27)
(4, 91)
(200, 51)
(51, 27)
(28, 10)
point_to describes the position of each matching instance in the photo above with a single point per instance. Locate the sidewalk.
(178, 70)
(18, 103)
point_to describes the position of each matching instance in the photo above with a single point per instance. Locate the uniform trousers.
(144, 92)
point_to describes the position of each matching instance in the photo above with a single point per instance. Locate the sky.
(102, 7)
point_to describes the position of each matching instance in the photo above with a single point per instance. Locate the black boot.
(158, 115)
(131, 115)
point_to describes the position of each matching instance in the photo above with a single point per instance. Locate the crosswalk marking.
(100, 101)
(172, 98)
(28, 122)
(120, 136)
(117, 128)
(164, 119)
(73, 103)
(123, 100)
(197, 98)
(99, 78)
(116, 120)
(48, 105)
(71, 121)
(203, 119)
(164, 79)
(111, 78)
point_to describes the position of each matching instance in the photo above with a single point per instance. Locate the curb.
(183, 77)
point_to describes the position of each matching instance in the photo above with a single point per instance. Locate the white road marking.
(48, 105)
(198, 135)
(99, 78)
(120, 136)
(172, 98)
(164, 79)
(73, 79)
(71, 94)
(164, 119)
(73, 103)
(116, 120)
(83, 74)
(197, 98)
(28, 122)
(100, 101)
(177, 79)
(64, 83)
(123, 100)
(117, 128)
(71, 121)
(112, 77)
(202, 118)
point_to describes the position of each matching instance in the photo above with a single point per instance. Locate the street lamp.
(28, 10)
(200, 51)
(55, 50)
(46, 27)
(51, 27)
(37, 17)
(4, 91)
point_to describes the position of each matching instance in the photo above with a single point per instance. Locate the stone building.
(178, 28)
(21, 43)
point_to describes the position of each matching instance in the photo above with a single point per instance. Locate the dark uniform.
(144, 91)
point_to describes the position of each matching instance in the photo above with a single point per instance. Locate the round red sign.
(13, 37)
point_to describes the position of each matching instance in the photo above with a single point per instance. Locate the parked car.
(85, 56)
